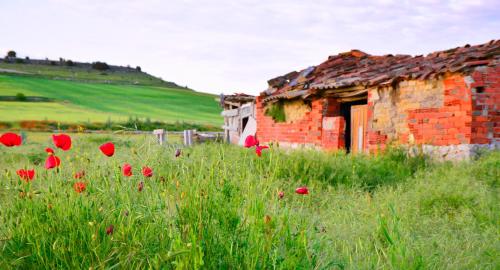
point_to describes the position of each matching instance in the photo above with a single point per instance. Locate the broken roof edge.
(357, 68)
(236, 98)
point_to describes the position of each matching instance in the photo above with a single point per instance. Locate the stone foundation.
(453, 152)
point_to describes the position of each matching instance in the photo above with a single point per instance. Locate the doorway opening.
(346, 110)
(244, 122)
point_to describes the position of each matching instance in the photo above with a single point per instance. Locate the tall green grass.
(216, 207)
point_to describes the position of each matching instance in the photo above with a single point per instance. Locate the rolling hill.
(77, 101)
(80, 71)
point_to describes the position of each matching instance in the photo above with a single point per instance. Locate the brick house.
(447, 102)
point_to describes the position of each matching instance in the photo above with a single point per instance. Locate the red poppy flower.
(26, 175)
(52, 161)
(10, 139)
(146, 171)
(79, 175)
(251, 141)
(281, 194)
(110, 230)
(127, 170)
(79, 187)
(108, 149)
(62, 141)
(302, 190)
(258, 149)
(140, 187)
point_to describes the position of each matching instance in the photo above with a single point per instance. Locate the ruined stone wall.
(316, 125)
(485, 88)
(295, 110)
(302, 131)
(448, 116)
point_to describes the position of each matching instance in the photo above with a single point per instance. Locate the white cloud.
(238, 45)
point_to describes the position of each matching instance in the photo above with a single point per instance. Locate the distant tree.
(70, 63)
(20, 97)
(100, 65)
(138, 68)
(53, 63)
(19, 61)
(27, 58)
(11, 54)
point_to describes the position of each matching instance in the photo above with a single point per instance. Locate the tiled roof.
(356, 68)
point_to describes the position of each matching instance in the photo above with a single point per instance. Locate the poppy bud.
(79, 175)
(110, 230)
(302, 191)
(127, 170)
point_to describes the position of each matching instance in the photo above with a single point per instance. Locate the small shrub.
(12, 54)
(276, 111)
(100, 66)
(20, 97)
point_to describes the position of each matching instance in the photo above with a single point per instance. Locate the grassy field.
(80, 102)
(83, 74)
(217, 207)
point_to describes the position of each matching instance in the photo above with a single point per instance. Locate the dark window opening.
(244, 123)
(345, 111)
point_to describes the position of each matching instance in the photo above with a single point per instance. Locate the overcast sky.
(236, 46)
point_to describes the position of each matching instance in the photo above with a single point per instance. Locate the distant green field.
(82, 102)
(76, 73)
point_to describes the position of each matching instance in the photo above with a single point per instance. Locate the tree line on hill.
(11, 57)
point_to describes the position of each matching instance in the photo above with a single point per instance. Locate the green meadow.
(217, 207)
(98, 102)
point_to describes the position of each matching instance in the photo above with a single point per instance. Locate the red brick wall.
(486, 105)
(307, 131)
(455, 114)
(449, 124)
(465, 117)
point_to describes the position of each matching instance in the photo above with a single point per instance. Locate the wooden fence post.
(160, 135)
(188, 137)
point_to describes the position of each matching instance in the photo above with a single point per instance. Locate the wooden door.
(358, 128)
